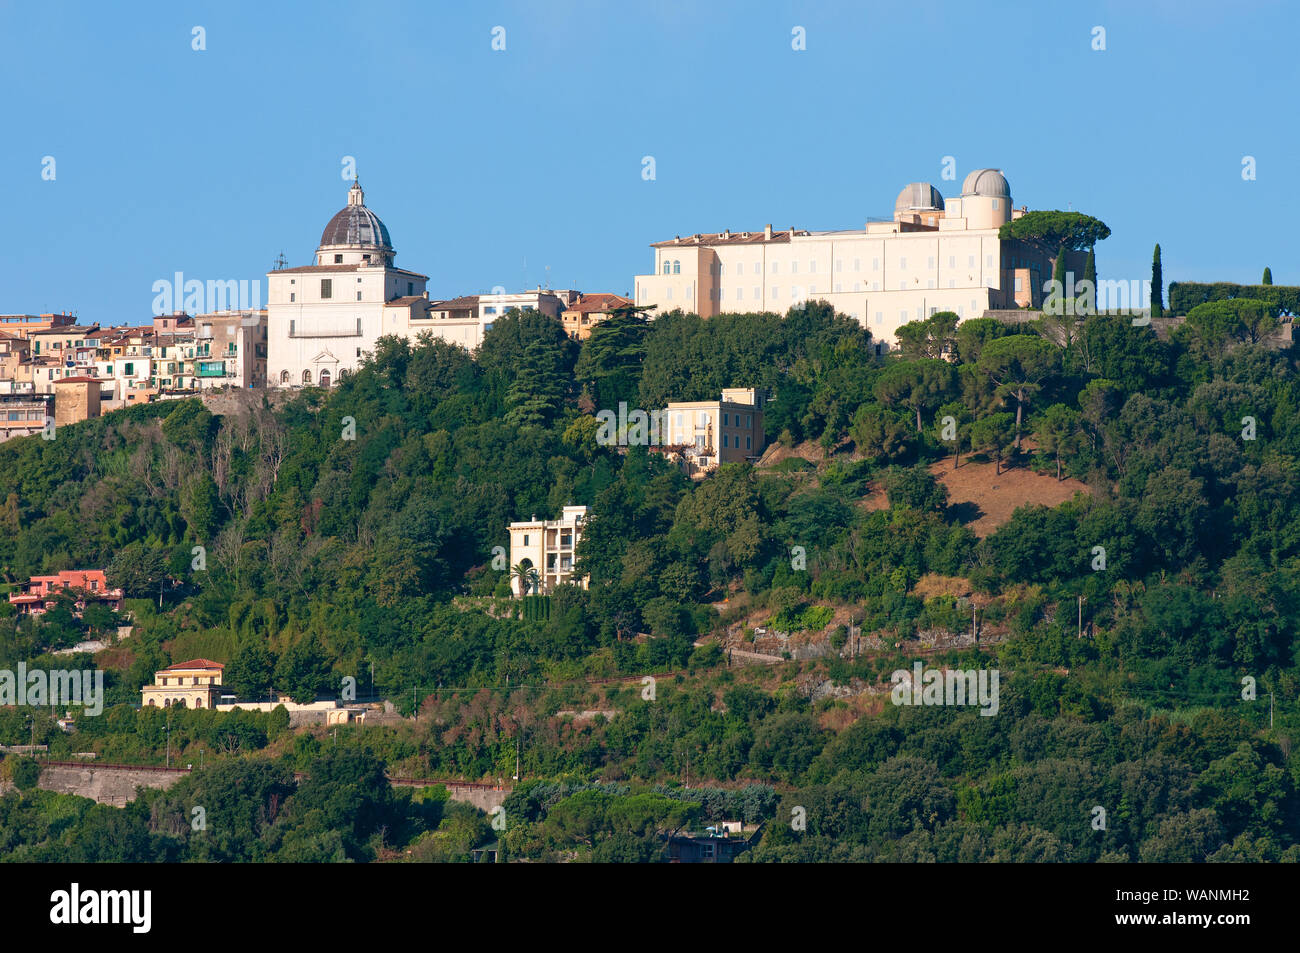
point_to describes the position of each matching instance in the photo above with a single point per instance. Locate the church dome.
(918, 195)
(356, 225)
(990, 182)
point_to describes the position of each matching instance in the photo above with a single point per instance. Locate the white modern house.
(547, 546)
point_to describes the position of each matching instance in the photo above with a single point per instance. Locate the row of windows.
(736, 443)
(720, 268)
(324, 379)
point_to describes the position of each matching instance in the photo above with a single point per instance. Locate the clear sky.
(523, 166)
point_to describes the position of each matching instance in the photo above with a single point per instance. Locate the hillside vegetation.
(337, 531)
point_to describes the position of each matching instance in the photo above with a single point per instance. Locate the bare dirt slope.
(985, 500)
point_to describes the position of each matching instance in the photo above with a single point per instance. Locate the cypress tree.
(1089, 275)
(1268, 277)
(1157, 287)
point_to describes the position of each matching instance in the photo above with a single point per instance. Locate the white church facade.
(322, 318)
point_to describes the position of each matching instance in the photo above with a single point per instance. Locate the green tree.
(1157, 286)
(137, 569)
(612, 356)
(1090, 276)
(917, 385)
(1055, 229)
(993, 434)
(249, 674)
(934, 337)
(915, 487)
(303, 671)
(26, 772)
(1017, 365)
(877, 433)
(1056, 432)
(1268, 277)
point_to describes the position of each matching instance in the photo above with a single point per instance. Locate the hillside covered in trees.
(352, 531)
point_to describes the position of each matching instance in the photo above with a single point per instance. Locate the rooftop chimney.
(767, 232)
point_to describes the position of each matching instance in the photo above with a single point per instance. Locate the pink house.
(85, 584)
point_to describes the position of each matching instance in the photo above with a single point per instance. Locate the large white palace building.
(323, 317)
(934, 255)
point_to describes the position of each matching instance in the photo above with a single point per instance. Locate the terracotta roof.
(67, 329)
(731, 238)
(601, 301)
(405, 302)
(198, 663)
(79, 380)
(455, 304)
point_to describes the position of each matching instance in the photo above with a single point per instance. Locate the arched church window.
(306, 377)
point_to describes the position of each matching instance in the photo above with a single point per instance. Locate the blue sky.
(491, 167)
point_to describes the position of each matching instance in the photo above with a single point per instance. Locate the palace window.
(327, 288)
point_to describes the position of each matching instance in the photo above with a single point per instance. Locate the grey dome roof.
(921, 195)
(990, 182)
(356, 225)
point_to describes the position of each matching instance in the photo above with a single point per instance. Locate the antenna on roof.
(280, 262)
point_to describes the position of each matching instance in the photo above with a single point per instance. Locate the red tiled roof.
(199, 663)
(600, 301)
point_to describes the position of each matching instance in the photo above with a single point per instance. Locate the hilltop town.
(910, 542)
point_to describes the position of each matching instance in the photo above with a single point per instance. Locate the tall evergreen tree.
(1268, 277)
(1089, 275)
(1157, 286)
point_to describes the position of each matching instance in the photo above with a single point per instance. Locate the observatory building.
(935, 254)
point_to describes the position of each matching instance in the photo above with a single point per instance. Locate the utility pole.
(1080, 615)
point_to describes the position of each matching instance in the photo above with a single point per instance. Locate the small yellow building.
(193, 684)
(705, 434)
